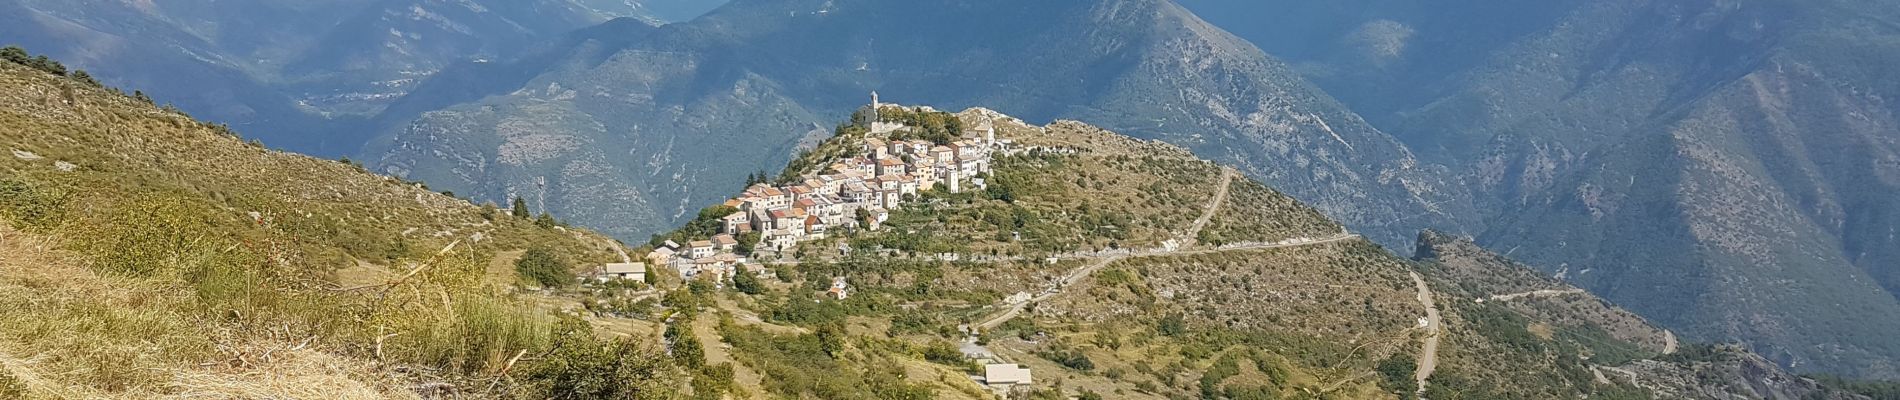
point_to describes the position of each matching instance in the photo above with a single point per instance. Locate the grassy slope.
(142, 272)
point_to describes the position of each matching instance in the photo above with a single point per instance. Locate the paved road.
(1428, 355)
(1534, 293)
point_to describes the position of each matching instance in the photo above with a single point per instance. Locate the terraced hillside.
(1284, 304)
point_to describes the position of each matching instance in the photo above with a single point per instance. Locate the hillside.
(1722, 167)
(1503, 304)
(636, 126)
(150, 255)
(1080, 261)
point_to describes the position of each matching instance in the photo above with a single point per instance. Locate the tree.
(521, 209)
(83, 77)
(683, 300)
(1398, 371)
(542, 266)
(831, 338)
(545, 221)
(748, 283)
(687, 351)
(747, 242)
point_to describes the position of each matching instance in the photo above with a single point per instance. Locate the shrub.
(544, 267)
(687, 351)
(1069, 357)
(86, 78)
(30, 206)
(944, 352)
(585, 367)
(15, 54)
(748, 283)
(1398, 371)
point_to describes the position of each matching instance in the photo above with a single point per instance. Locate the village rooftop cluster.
(851, 193)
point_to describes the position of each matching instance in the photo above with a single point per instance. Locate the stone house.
(700, 249)
(732, 223)
(724, 242)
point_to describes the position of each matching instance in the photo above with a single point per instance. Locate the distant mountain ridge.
(707, 101)
(304, 74)
(1724, 167)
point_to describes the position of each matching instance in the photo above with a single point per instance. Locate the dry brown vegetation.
(150, 255)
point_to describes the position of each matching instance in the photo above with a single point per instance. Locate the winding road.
(1428, 354)
(1081, 273)
(1534, 293)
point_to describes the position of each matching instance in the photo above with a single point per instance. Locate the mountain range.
(154, 255)
(1726, 168)
(638, 125)
(304, 74)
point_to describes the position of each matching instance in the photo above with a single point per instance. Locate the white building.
(627, 271)
(1006, 375)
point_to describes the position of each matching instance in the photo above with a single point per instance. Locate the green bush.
(1399, 370)
(944, 352)
(31, 206)
(748, 283)
(542, 266)
(585, 367)
(1069, 357)
(688, 352)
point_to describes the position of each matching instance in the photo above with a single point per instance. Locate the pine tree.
(521, 209)
(545, 221)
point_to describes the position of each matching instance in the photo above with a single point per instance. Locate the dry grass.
(68, 332)
(185, 262)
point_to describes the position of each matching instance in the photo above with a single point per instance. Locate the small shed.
(1006, 375)
(628, 271)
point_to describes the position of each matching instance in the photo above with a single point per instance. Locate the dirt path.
(1534, 293)
(1669, 342)
(1079, 274)
(1193, 233)
(1428, 354)
(1074, 277)
(717, 351)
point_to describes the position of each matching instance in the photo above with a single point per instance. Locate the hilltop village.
(885, 170)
